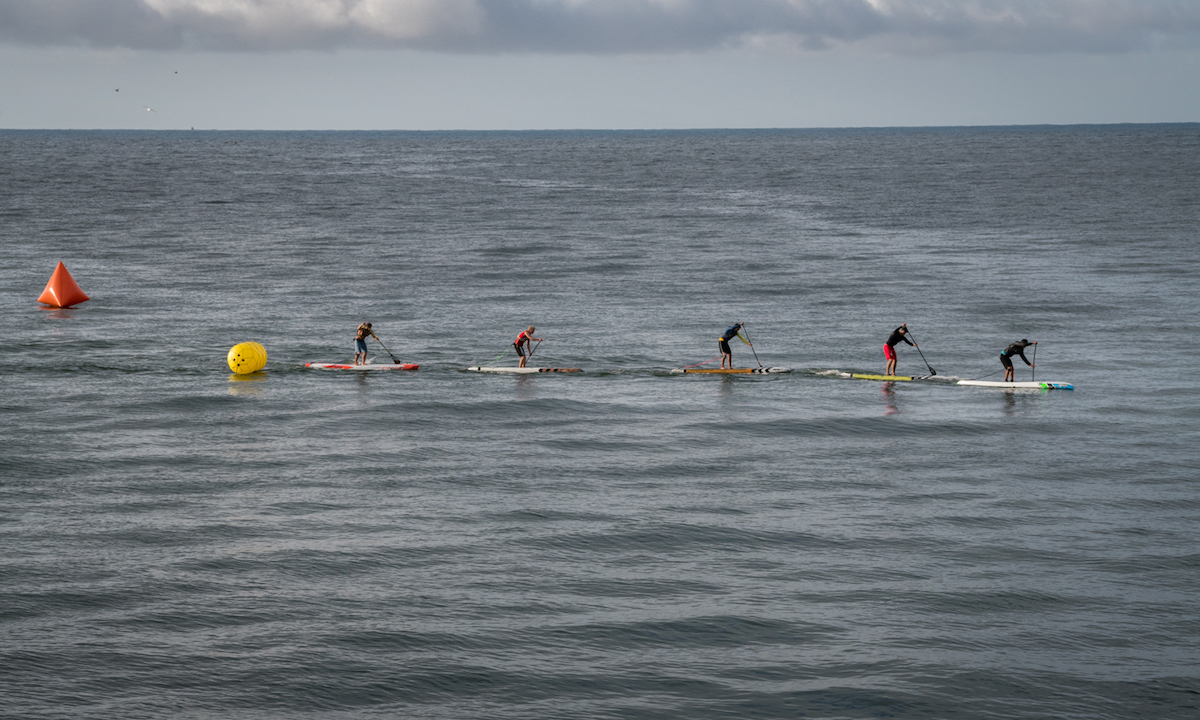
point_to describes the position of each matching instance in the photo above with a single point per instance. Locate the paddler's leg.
(360, 351)
(726, 353)
(890, 353)
(520, 354)
(1008, 368)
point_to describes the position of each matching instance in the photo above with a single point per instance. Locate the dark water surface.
(179, 542)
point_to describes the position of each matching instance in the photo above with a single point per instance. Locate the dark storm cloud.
(605, 26)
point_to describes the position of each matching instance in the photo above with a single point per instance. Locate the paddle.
(389, 352)
(1033, 366)
(751, 345)
(535, 347)
(918, 347)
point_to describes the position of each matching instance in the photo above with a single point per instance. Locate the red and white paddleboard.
(368, 366)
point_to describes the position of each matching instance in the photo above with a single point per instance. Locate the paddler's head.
(530, 329)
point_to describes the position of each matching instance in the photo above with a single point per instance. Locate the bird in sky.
(150, 109)
(117, 90)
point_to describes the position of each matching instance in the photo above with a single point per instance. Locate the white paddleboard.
(523, 370)
(732, 371)
(1041, 385)
(368, 366)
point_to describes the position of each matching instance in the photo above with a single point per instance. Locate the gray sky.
(529, 64)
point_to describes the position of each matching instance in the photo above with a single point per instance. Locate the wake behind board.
(732, 371)
(523, 370)
(368, 366)
(1018, 385)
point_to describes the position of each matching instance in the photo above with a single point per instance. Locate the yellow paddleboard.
(888, 378)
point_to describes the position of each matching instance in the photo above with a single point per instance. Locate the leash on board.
(751, 345)
(686, 367)
(497, 358)
(918, 347)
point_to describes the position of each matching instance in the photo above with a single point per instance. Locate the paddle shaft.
(385, 347)
(751, 345)
(535, 347)
(1033, 367)
(918, 347)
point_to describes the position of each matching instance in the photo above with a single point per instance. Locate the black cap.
(1024, 341)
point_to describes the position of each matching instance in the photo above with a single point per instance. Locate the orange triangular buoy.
(62, 290)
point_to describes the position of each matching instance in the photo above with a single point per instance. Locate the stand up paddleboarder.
(523, 340)
(1018, 349)
(360, 343)
(889, 347)
(723, 343)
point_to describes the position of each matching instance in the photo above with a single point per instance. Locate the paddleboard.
(732, 371)
(1018, 385)
(523, 370)
(368, 366)
(887, 378)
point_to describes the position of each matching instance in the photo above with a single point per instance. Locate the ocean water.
(624, 543)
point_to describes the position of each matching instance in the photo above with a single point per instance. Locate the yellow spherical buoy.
(247, 357)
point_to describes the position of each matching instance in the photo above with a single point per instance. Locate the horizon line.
(618, 130)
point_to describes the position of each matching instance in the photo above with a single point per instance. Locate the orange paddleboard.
(62, 290)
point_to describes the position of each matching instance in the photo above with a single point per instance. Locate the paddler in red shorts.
(523, 340)
(889, 347)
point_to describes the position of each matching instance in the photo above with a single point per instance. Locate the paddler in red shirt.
(523, 340)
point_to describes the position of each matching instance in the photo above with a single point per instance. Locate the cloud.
(606, 26)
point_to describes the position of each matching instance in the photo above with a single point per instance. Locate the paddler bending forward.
(723, 343)
(889, 347)
(522, 344)
(1018, 349)
(360, 343)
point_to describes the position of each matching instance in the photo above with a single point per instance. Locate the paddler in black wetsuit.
(723, 343)
(889, 347)
(1018, 349)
